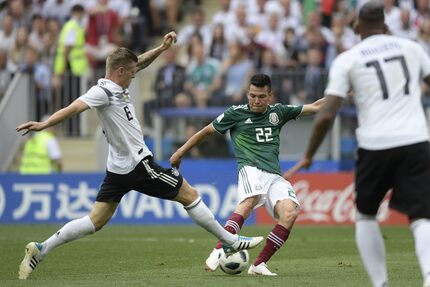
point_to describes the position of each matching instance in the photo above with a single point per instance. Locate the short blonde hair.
(119, 58)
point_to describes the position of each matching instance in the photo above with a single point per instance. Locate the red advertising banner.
(329, 199)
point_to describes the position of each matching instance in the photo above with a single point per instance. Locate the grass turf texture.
(175, 255)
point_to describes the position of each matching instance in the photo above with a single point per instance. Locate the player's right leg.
(201, 214)
(73, 230)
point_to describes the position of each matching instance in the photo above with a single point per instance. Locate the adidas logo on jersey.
(248, 121)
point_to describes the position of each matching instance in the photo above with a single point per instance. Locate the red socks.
(275, 240)
(233, 225)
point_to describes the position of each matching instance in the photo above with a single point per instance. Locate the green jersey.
(255, 136)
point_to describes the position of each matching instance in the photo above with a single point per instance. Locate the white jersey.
(384, 73)
(120, 125)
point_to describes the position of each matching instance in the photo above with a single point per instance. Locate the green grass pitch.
(174, 256)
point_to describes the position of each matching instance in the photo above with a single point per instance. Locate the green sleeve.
(290, 112)
(225, 121)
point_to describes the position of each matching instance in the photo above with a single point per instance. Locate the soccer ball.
(235, 263)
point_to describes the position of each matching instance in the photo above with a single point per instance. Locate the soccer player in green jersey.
(255, 129)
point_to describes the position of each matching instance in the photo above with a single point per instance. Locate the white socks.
(201, 214)
(371, 246)
(71, 231)
(421, 231)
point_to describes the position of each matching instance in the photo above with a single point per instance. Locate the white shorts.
(272, 188)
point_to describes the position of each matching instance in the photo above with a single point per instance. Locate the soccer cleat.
(242, 243)
(212, 262)
(260, 269)
(30, 260)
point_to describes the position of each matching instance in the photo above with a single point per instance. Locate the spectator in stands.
(424, 35)
(40, 73)
(237, 31)
(259, 17)
(406, 29)
(198, 26)
(5, 74)
(164, 9)
(291, 13)
(342, 38)
(201, 75)
(270, 67)
(314, 81)
(18, 48)
(58, 9)
(392, 15)
(422, 12)
(42, 153)
(347, 10)
(224, 15)
(219, 47)
(288, 47)
(7, 33)
(71, 62)
(124, 11)
(233, 79)
(169, 81)
(36, 35)
(254, 50)
(21, 17)
(102, 34)
(271, 36)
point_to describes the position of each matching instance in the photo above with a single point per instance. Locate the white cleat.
(242, 243)
(260, 269)
(30, 261)
(212, 262)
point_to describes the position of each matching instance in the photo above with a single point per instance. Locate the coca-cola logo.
(330, 205)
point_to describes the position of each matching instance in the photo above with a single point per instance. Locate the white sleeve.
(53, 148)
(95, 97)
(338, 80)
(425, 61)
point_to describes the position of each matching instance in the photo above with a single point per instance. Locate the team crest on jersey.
(175, 172)
(274, 119)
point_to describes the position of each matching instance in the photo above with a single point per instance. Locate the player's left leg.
(421, 231)
(282, 203)
(233, 225)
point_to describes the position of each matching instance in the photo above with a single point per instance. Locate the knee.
(290, 213)
(186, 194)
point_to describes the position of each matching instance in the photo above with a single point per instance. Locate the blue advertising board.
(62, 197)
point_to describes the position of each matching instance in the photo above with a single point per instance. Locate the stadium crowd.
(292, 41)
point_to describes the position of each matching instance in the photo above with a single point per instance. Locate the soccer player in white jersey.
(130, 165)
(384, 73)
(255, 131)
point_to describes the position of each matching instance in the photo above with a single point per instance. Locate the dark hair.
(372, 11)
(261, 80)
(77, 8)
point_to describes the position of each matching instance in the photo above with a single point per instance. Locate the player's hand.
(304, 163)
(30, 126)
(175, 160)
(168, 40)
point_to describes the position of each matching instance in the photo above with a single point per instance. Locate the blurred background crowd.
(221, 43)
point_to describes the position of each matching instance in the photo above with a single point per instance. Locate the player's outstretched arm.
(74, 108)
(323, 121)
(145, 59)
(311, 109)
(175, 159)
(304, 163)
